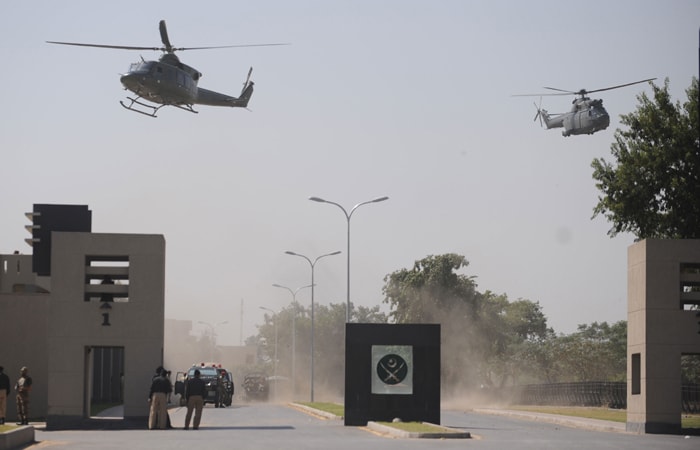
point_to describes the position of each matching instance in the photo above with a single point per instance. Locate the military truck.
(218, 382)
(256, 386)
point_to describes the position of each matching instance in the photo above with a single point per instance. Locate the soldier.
(195, 391)
(23, 387)
(160, 388)
(4, 393)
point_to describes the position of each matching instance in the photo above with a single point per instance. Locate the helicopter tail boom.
(207, 97)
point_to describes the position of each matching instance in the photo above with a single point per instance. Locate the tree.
(483, 335)
(652, 189)
(329, 344)
(430, 290)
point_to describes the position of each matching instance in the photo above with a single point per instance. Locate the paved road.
(280, 427)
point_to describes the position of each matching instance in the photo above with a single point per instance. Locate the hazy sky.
(408, 99)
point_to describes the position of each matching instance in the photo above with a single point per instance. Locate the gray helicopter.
(587, 115)
(169, 82)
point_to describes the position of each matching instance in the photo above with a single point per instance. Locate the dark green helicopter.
(586, 116)
(170, 82)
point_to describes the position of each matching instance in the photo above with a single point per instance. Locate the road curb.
(315, 412)
(18, 437)
(449, 433)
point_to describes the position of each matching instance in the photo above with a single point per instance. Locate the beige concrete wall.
(659, 330)
(76, 325)
(23, 337)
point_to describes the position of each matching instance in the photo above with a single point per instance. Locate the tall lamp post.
(274, 365)
(313, 264)
(348, 216)
(212, 333)
(294, 330)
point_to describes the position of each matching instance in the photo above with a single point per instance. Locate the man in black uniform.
(4, 393)
(160, 388)
(195, 391)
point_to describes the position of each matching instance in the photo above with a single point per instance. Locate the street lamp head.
(380, 199)
(318, 199)
(337, 252)
(292, 253)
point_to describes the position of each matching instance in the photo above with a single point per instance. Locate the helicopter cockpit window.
(140, 66)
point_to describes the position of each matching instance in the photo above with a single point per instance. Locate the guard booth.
(663, 320)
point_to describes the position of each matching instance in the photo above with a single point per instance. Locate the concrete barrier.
(16, 438)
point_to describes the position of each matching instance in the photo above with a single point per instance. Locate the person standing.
(195, 391)
(160, 388)
(23, 386)
(4, 393)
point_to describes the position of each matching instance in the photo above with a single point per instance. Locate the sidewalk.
(568, 421)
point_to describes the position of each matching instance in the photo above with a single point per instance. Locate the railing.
(607, 394)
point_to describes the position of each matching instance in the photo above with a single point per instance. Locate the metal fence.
(607, 394)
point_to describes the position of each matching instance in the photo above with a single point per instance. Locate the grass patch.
(417, 427)
(5, 428)
(690, 421)
(331, 408)
(614, 415)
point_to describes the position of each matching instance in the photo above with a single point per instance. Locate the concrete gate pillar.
(663, 323)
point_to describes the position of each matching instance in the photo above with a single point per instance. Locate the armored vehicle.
(217, 380)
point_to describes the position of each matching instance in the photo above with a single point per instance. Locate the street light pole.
(312, 264)
(348, 216)
(212, 333)
(294, 332)
(274, 365)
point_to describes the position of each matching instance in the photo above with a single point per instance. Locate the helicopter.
(587, 115)
(169, 82)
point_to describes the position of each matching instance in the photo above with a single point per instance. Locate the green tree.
(595, 352)
(431, 290)
(329, 344)
(652, 188)
(483, 335)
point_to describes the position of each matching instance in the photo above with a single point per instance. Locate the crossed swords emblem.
(394, 365)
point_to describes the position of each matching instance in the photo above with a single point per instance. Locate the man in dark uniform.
(160, 388)
(4, 393)
(23, 387)
(195, 391)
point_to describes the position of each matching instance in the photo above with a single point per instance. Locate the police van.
(218, 382)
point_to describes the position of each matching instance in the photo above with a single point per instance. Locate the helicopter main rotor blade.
(622, 85)
(544, 94)
(164, 37)
(120, 47)
(227, 46)
(162, 49)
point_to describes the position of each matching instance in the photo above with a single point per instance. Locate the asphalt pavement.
(281, 426)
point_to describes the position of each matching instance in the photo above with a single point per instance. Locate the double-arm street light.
(313, 264)
(212, 335)
(348, 216)
(274, 365)
(294, 330)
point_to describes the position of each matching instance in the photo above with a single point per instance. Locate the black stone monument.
(392, 371)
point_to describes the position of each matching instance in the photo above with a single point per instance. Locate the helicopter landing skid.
(154, 109)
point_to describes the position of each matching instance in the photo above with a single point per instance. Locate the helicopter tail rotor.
(539, 112)
(247, 80)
